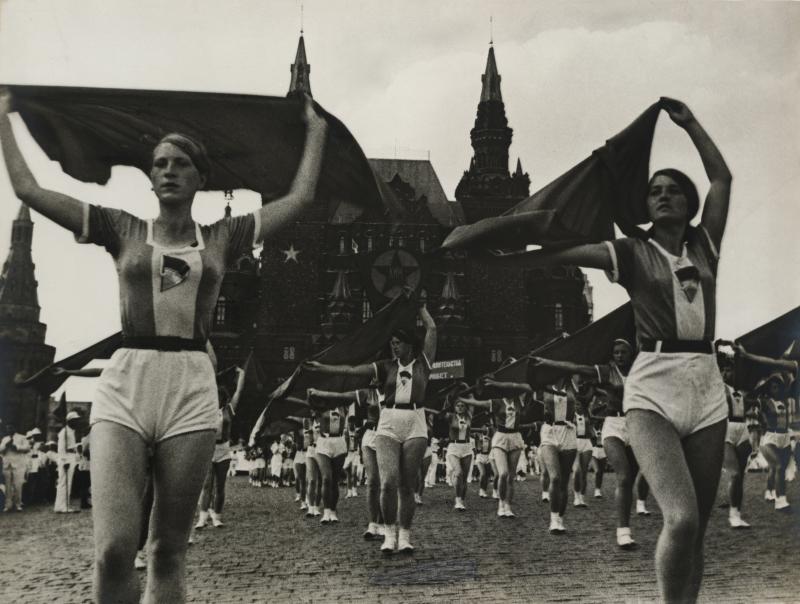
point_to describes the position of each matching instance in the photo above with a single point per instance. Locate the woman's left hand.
(677, 111)
(312, 119)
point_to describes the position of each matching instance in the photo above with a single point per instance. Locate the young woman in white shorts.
(459, 450)
(776, 406)
(401, 437)
(158, 390)
(674, 396)
(484, 447)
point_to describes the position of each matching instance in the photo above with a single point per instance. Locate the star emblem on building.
(393, 270)
(291, 254)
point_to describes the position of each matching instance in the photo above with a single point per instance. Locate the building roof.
(419, 173)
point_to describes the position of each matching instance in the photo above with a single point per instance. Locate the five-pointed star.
(291, 254)
(396, 273)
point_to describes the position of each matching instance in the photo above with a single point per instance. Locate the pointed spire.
(491, 80)
(518, 171)
(17, 281)
(301, 71)
(24, 213)
(450, 290)
(451, 306)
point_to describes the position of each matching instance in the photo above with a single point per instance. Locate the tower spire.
(301, 71)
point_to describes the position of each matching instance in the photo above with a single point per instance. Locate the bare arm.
(61, 209)
(473, 402)
(787, 364)
(587, 370)
(352, 370)
(715, 209)
(274, 216)
(239, 389)
(590, 255)
(513, 387)
(91, 372)
(429, 345)
(349, 397)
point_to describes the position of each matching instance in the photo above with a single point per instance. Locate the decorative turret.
(18, 299)
(451, 305)
(300, 83)
(339, 312)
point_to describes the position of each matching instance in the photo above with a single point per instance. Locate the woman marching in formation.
(313, 475)
(221, 461)
(485, 474)
(331, 450)
(507, 443)
(582, 393)
(299, 462)
(159, 390)
(402, 432)
(614, 436)
(459, 449)
(674, 395)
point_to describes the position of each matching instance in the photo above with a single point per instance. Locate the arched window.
(220, 311)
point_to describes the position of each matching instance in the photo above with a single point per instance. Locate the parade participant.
(401, 436)
(277, 449)
(15, 450)
(427, 460)
(331, 450)
(83, 481)
(610, 380)
(775, 403)
(674, 395)
(158, 389)
(583, 394)
(598, 453)
(299, 463)
(459, 449)
(34, 483)
(507, 443)
(350, 462)
(484, 447)
(214, 485)
(313, 475)
(67, 463)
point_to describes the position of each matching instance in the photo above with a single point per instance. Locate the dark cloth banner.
(590, 345)
(365, 345)
(254, 142)
(777, 338)
(46, 382)
(581, 205)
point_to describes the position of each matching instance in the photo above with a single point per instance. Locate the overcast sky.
(404, 76)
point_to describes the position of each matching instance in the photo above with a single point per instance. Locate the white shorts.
(584, 444)
(482, 458)
(598, 453)
(299, 457)
(368, 440)
(617, 427)
(402, 424)
(157, 394)
(507, 441)
(562, 437)
(737, 433)
(776, 439)
(311, 451)
(276, 465)
(222, 452)
(331, 446)
(351, 459)
(459, 450)
(685, 388)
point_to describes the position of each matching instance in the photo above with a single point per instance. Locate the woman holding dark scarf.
(402, 434)
(158, 389)
(674, 395)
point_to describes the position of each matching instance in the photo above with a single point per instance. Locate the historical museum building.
(323, 277)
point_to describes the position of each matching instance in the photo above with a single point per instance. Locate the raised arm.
(715, 209)
(473, 402)
(61, 209)
(91, 372)
(429, 344)
(239, 389)
(786, 364)
(511, 387)
(274, 216)
(590, 255)
(351, 370)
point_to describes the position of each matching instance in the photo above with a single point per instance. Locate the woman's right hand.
(5, 100)
(312, 365)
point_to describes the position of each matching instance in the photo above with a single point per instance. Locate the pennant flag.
(46, 382)
(60, 412)
(365, 345)
(254, 142)
(581, 205)
(777, 338)
(386, 273)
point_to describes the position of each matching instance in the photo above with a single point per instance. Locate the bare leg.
(179, 468)
(465, 462)
(373, 484)
(426, 464)
(550, 458)
(412, 452)
(565, 459)
(220, 470)
(513, 460)
(388, 452)
(118, 466)
(625, 467)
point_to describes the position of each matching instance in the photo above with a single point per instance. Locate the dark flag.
(254, 142)
(581, 205)
(45, 382)
(365, 345)
(777, 338)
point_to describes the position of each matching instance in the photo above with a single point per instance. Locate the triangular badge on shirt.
(174, 271)
(689, 278)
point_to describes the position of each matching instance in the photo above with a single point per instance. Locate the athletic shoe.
(501, 509)
(556, 525)
(332, 517)
(316, 513)
(641, 508)
(303, 506)
(372, 533)
(495, 494)
(624, 539)
(389, 540)
(769, 496)
(483, 494)
(325, 516)
(297, 497)
(202, 521)
(598, 494)
(508, 512)
(579, 502)
(735, 520)
(417, 498)
(404, 542)
(355, 492)
(140, 561)
(459, 505)
(216, 520)
(545, 496)
(781, 505)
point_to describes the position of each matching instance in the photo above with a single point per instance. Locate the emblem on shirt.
(689, 278)
(174, 271)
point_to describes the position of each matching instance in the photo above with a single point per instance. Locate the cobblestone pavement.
(269, 552)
